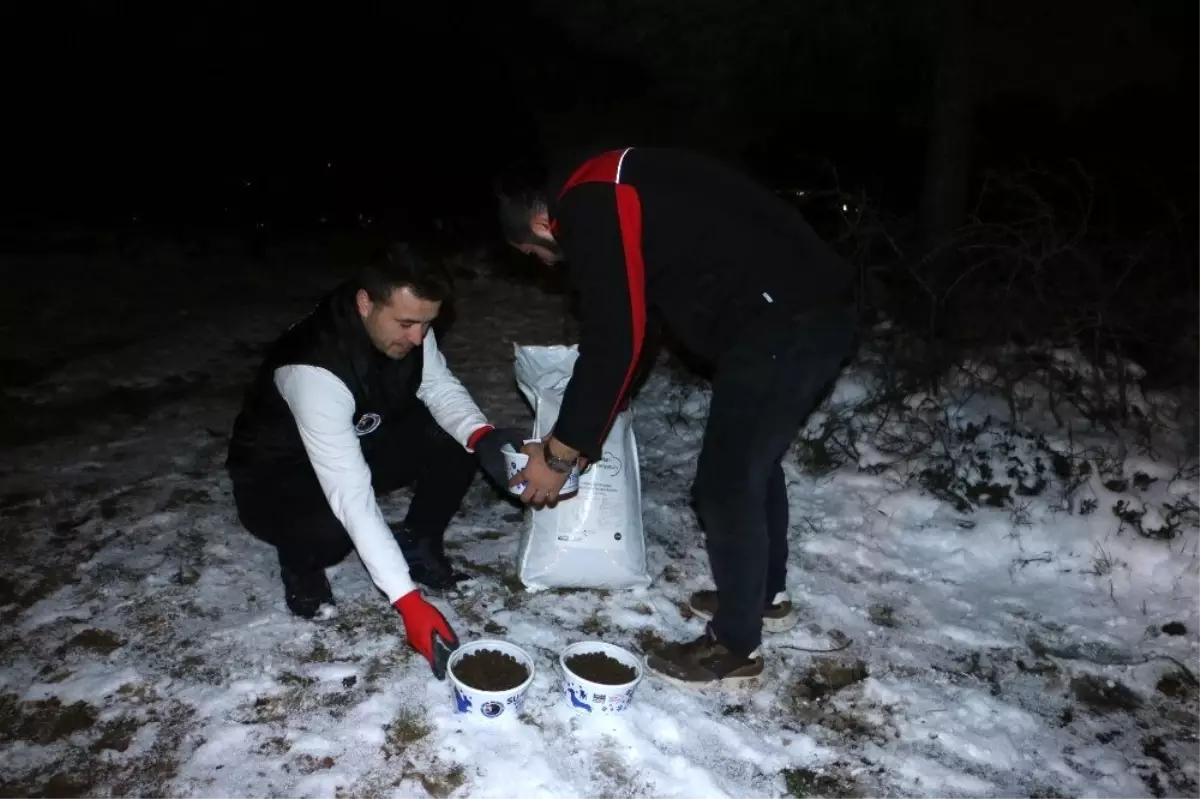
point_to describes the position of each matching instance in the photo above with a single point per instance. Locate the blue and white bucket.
(489, 704)
(592, 698)
(516, 461)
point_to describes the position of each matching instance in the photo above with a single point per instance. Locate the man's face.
(540, 243)
(398, 325)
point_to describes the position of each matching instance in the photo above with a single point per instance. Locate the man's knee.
(300, 524)
(719, 503)
(737, 468)
(726, 491)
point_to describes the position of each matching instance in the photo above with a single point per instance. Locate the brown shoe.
(778, 617)
(704, 661)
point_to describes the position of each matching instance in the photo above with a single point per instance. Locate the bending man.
(744, 283)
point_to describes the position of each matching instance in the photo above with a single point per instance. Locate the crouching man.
(354, 401)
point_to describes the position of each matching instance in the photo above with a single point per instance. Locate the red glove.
(427, 631)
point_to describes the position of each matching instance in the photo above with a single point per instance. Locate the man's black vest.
(265, 438)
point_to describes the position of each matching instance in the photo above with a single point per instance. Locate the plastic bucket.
(587, 697)
(516, 461)
(489, 704)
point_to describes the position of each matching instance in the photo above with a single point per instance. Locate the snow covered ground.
(1026, 647)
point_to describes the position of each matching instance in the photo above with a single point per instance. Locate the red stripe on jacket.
(605, 168)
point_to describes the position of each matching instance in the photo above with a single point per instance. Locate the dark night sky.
(159, 110)
(122, 109)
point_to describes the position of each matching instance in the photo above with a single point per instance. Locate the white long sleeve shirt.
(323, 407)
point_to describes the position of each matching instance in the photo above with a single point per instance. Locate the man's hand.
(543, 483)
(427, 630)
(491, 457)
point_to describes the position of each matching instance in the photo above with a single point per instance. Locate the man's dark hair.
(521, 194)
(403, 265)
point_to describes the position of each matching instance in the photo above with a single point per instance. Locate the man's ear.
(363, 302)
(541, 225)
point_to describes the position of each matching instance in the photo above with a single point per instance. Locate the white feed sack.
(593, 539)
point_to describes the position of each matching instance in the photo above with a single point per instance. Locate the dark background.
(165, 113)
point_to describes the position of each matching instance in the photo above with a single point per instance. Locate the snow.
(134, 598)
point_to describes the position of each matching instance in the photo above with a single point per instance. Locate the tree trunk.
(947, 162)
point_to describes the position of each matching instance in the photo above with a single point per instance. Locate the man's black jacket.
(673, 235)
